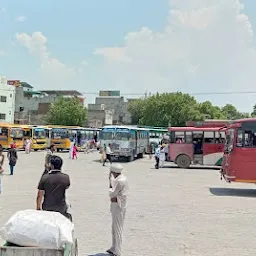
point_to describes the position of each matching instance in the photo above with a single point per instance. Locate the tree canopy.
(176, 109)
(67, 111)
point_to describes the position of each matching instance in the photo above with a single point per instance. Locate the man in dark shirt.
(52, 188)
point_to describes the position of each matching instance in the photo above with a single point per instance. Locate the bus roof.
(244, 120)
(188, 129)
(208, 123)
(125, 127)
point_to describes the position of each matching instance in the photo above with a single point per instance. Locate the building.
(7, 101)
(109, 108)
(31, 106)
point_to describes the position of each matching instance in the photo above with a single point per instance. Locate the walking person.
(13, 157)
(47, 163)
(108, 154)
(28, 146)
(74, 151)
(157, 155)
(1, 160)
(71, 148)
(118, 191)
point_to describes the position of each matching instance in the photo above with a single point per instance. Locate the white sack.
(38, 229)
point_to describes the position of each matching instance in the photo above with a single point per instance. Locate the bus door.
(243, 158)
(212, 152)
(198, 137)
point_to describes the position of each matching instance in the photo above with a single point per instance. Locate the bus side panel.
(176, 149)
(212, 153)
(243, 162)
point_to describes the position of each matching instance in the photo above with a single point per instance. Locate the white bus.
(125, 141)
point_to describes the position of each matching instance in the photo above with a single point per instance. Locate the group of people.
(161, 155)
(51, 195)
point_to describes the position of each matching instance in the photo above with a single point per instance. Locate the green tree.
(254, 111)
(136, 108)
(231, 113)
(67, 111)
(170, 109)
(209, 111)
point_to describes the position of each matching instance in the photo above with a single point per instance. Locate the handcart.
(9, 249)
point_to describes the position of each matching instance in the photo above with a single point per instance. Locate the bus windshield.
(107, 135)
(59, 133)
(39, 133)
(3, 131)
(16, 133)
(122, 136)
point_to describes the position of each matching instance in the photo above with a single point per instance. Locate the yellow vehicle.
(37, 134)
(61, 136)
(11, 134)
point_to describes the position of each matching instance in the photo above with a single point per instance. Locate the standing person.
(162, 155)
(108, 154)
(51, 195)
(157, 155)
(118, 191)
(13, 157)
(71, 148)
(28, 146)
(1, 160)
(74, 152)
(47, 163)
(150, 150)
(166, 150)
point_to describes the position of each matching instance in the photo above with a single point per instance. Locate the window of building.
(2, 116)
(3, 98)
(10, 95)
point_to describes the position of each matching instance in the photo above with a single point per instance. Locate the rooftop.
(26, 85)
(63, 92)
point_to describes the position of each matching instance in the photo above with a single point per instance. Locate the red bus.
(239, 161)
(193, 145)
(208, 123)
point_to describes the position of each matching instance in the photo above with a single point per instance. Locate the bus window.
(249, 138)
(229, 140)
(106, 135)
(220, 137)
(239, 138)
(189, 138)
(3, 132)
(122, 136)
(209, 137)
(179, 137)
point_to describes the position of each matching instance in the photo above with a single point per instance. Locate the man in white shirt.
(118, 190)
(108, 154)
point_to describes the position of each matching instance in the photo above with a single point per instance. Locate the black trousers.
(108, 157)
(157, 162)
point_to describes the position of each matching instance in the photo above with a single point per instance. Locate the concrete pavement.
(171, 211)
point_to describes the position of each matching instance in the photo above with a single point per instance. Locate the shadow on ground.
(236, 192)
(99, 254)
(212, 168)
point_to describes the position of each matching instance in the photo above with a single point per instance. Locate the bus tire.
(183, 161)
(35, 149)
(130, 158)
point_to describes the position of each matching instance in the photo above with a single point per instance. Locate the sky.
(203, 47)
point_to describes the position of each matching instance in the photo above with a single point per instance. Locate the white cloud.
(21, 18)
(206, 45)
(2, 9)
(50, 66)
(2, 53)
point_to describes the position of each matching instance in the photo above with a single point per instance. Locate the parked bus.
(239, 161)
(210, 123)
(193, 145)
(128, 142)
(11, 134)
(61, 136)
(37, 134)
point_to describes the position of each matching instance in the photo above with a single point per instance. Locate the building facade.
(107, 110)
(31, 107)
(7, 101)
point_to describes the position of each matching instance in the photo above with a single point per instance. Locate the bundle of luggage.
(31, 228)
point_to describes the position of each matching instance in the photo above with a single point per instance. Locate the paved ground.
(171, 211)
